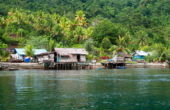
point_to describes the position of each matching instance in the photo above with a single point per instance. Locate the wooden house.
(125, 56)
(63, 55)
(120, 57)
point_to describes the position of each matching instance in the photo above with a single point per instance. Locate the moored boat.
(121, 67)
(13, 69)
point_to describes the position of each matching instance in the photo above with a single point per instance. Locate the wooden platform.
(113, 65)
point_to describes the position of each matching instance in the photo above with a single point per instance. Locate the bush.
(103, 57)
(88, 45)
(106, 43)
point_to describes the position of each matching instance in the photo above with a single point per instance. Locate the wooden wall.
(63, 59)
(82, 58)
(49, 57)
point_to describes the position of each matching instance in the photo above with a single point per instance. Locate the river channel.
(86, 89)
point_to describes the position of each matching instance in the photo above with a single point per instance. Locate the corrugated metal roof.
(39, 51)
(142, 53)
(67, 51)
(20, 51)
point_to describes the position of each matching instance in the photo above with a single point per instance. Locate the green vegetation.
(29, 51)
(112, 26)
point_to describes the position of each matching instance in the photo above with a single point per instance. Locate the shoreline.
(36, 66)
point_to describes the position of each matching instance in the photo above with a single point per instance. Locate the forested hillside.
(136, 23)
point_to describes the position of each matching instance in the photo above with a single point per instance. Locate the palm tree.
(40, 14)
(3, 22)
(80, 16)
(123, 32)
(39, 24)
(89, 31)
(56, 30)
(160, 51)
(29, 51)
(56, 18)
(2, 45)
(51, 45)
(5, 56)
(18, 18)
(121, 46)
(64, 22)
(79, 33)
(49, 24)
(31, 19)
(142, 39)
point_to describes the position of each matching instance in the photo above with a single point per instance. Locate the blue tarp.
(137, 57)
(58, 59)
(27, 60)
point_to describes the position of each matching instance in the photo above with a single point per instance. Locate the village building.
(120, 57)
(63, 55)
(140, 54)
(19, 53)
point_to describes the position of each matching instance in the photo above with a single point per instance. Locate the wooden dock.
(66, 66)
(113, 65)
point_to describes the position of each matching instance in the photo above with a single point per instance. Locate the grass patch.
(130, 62)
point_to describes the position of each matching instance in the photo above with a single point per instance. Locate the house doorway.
(55, 57)
(78, 58)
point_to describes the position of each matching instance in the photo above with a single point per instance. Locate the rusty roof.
(46, 53)
(124, 54)
(68, 51)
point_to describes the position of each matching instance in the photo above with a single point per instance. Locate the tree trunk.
(80, 39)
(30, 59)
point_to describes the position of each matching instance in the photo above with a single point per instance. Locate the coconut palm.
(88, 33)
(51, 45)
(123, 32)
(40, 14)
(120, 47)
(79, 31)
(142, 39)
(39, 24)
(5, 55)
(80, 16)
(18, 18)
(31, 19)
(2, 45)
(160, 51)
(64, 22)
(48, 25)
(3, 22)
(56, 18)
(29, 51)
(56, 30)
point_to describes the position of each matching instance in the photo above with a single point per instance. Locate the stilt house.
(120, 57)
(63, 55)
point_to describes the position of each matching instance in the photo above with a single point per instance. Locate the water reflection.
(86, 89)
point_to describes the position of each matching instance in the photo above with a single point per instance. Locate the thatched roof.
(68, 51)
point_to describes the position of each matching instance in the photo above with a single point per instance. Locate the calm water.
(86, 89)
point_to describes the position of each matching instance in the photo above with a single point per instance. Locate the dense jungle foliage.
(109, 25)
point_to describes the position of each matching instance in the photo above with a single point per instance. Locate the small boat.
(121, 67)
(13, 69)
